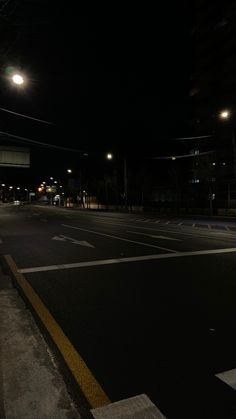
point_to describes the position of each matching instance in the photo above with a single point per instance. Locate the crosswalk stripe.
(132, 407)
(228, 377)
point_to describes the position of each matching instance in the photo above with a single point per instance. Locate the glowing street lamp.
(109, 156)
(69, 171)
(224, 114)
(18, 79)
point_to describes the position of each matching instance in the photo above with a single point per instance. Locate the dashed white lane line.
(135, 407)
(228, 377)
(167, 222)
(154, 236)
(180, 224)
(126, 260)
(119, 238)
(157, 221)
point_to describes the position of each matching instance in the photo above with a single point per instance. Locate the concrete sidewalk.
(30, 385)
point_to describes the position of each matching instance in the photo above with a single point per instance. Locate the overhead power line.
(173, 157)
(38, 143)
(26, 116)
(193, 138)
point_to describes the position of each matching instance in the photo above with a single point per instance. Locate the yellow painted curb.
(88, 384)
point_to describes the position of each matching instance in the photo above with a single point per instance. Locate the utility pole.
(234, 153)
(125, 184)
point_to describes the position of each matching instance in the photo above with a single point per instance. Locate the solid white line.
(154, 236)
(157, 221)
(134, 407)
(119, 238)
(126, 260)
(228, 377)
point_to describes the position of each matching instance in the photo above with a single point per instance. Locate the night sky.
(109, 78)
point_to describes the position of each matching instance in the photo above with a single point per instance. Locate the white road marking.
(69, 239)
(180, 224)
(154, 236)
(157, 221)
(119, 238)
(167, 222)
(44, 220)
(214, 235)
(228, 377)
(127, 260)
(147, 220)
(134, 407)
(1, 242)
(193, 225)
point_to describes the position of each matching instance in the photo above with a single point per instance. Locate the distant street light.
(224, 114)
(109, 156)
(18, 79)
(69, 171)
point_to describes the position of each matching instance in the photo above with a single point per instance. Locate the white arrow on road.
(65, 238)
(155, 237)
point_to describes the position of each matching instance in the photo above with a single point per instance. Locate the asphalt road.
(149, 304)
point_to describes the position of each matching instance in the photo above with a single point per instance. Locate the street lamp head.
(224, 114)
(18, 79)
(69, 171)
(109, 156)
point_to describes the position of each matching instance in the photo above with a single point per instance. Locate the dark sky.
(109, 78)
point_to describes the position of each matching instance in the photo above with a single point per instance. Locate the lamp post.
(226, 115)
(110, 157)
